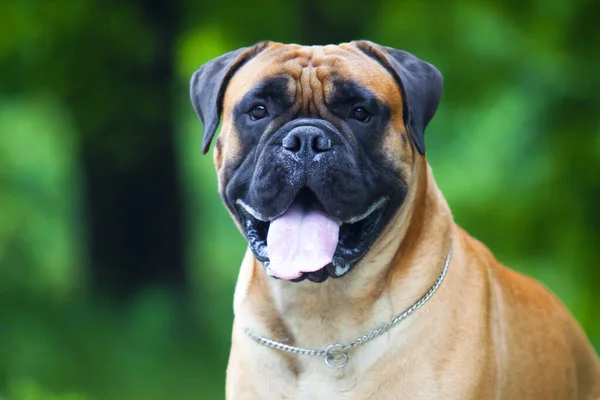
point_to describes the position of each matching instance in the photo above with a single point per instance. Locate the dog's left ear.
(420, 84)
(208, 84)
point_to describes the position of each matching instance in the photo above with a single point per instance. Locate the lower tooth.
(267, 269)
(340, 269)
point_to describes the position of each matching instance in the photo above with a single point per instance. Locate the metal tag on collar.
(336, 356)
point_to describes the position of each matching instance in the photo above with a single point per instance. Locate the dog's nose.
(307, 139)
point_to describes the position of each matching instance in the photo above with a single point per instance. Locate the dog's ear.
(420, 84)
(208, 84)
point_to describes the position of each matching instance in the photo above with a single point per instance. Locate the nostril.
(321, 143)
(306, 139)
(292, 142)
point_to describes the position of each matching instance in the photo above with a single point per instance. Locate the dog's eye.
(360, 114)
(258, 112)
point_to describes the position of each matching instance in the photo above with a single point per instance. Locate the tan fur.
(488, 333)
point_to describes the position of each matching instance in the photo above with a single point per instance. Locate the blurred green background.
(117, 259)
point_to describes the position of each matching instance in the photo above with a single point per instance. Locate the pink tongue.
(301, 241)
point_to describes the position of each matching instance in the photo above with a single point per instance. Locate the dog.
(357, 284)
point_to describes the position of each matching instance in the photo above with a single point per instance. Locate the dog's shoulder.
(520, 294)
(538, 321)
(525, 317)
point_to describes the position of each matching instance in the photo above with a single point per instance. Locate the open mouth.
(305, 242)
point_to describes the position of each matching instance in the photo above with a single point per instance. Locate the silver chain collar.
(336, 355)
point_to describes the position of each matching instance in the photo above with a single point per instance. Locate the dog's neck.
(313, 315)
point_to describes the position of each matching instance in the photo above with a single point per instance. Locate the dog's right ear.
(208, 84)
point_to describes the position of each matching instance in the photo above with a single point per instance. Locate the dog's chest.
(323, 384)
(361, 386)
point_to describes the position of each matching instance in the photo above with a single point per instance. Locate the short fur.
(488, 333)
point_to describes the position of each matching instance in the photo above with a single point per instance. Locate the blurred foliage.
(515, 148)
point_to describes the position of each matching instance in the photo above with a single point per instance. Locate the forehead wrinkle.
(305, 89)
(320, 81)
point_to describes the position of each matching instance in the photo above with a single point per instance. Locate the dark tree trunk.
(132, 192)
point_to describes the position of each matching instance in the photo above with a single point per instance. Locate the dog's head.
(316, 147)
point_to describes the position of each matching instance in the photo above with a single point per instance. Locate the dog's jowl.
(357, 284)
